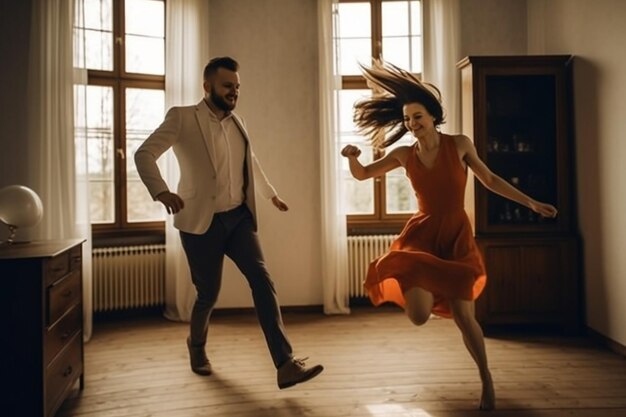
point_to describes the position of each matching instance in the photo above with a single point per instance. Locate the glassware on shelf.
(521, 143)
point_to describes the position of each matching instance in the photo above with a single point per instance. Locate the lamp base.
(11, 239)
(13, 242)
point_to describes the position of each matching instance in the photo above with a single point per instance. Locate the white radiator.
(128, 277)
(361, 251)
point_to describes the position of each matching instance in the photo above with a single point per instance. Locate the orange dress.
(436, 249)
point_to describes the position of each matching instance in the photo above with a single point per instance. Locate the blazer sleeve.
(152, 148)
(260, 180)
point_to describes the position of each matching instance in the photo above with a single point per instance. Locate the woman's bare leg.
(419, 304)
(463, 313)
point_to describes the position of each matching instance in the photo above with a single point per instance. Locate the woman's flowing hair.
(380, 117)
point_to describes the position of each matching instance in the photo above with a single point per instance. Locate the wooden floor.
(376, 365)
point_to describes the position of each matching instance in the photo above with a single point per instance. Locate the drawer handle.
(76, 258)
(65, 335)
(68, 371)
(57, 269)
(67, 293)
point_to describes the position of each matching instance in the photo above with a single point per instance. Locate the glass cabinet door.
(521, 144)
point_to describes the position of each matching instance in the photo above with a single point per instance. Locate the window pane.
(144, 112)
(145, 37)
(415, 14)
(402, 34)
(351, 53)
(347, 99)
(400, 196)
(145, 55)
(145, 17)
(100, 153)
(417, 53)
(99, 15)
(354, 20)
(98, 35)
(99, 50)
(395, 18)
(396, 51)
(355, 37)
(359, 194)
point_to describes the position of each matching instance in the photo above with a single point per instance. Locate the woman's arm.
(495, 183)
(378, 167)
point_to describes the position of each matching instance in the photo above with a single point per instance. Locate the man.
(214, 210)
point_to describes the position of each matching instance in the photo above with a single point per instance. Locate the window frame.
(119, 80)
(380, 221)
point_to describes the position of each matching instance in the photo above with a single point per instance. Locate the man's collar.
(227, 114)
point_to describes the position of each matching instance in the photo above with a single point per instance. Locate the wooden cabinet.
(530, 282)
(41, 312)
(517, 111)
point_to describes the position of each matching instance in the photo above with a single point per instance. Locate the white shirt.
(229, 148)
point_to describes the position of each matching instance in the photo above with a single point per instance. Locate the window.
(125, 100)
(389, 29)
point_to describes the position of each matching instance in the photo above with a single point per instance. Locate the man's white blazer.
(187, 131)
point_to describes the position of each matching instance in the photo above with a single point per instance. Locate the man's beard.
(220, 103)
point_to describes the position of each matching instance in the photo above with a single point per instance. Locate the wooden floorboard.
(376, 365)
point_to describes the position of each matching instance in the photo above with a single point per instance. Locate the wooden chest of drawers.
(41, 313)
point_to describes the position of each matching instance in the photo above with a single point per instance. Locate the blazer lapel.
(243, 130)
(247, 166)
(202, 115)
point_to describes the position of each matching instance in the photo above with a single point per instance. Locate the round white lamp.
(19, 207)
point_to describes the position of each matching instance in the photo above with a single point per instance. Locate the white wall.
(275, 42)
(493, 27)
(594, 32)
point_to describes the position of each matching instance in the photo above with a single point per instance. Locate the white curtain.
(186, 54)
(56, 151)
(441, 19)
(334, 238)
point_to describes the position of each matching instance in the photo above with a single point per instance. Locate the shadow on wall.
(587, 132)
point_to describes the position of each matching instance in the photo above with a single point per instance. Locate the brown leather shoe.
(197, 358)
(294, 372)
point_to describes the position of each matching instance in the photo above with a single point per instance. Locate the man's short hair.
(220, 62)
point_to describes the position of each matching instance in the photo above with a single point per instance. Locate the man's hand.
(280, 204)
(172, 202)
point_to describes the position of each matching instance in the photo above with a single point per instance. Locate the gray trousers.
(232, 234)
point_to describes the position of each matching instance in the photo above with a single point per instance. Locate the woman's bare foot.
(488, 397)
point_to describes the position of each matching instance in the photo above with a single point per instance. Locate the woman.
(434, 266)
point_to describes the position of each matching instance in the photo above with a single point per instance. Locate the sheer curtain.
(441, 52)
(56, 151)
(334, 236)
(186, 54)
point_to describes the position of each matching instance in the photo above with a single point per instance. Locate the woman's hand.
(350, 151)
(546, 210)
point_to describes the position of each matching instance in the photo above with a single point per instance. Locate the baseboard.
(234, 311)
(360, 302)
(357, 304)
(130, 313)
(607, 341)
